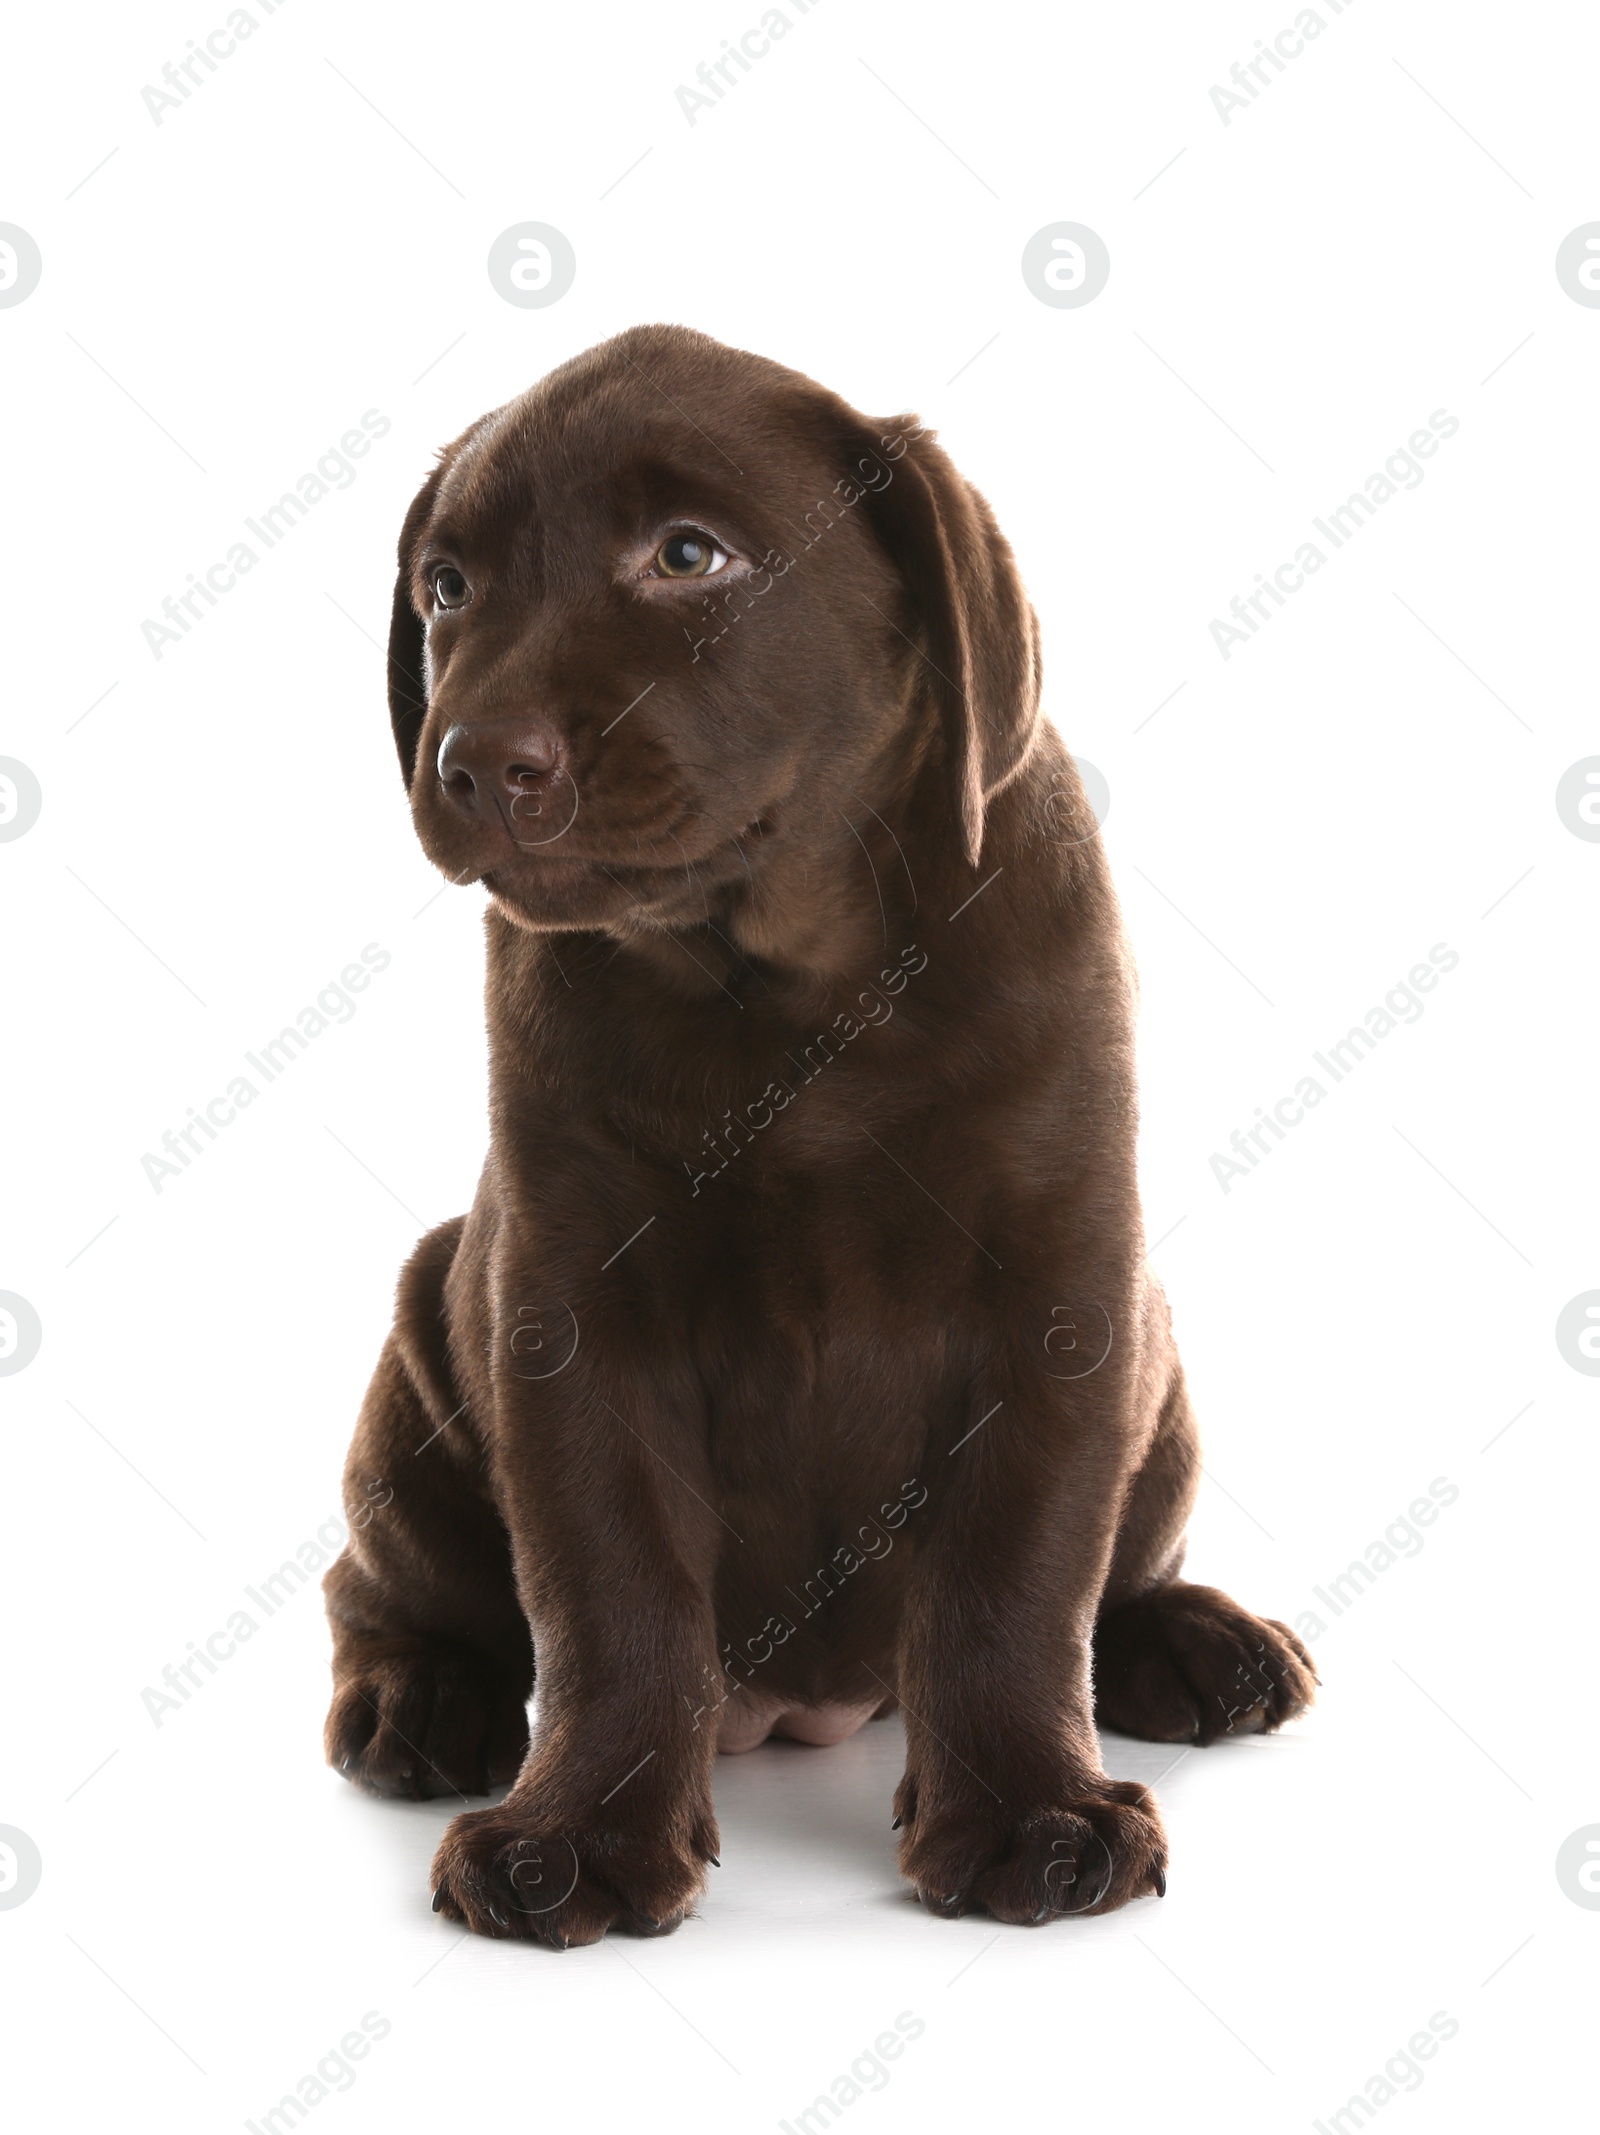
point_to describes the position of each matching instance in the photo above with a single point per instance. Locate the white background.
(1369, 240)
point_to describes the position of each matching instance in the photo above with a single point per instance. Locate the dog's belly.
(746, 1721)
(823, 1393)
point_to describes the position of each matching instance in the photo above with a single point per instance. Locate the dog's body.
(798, 1356)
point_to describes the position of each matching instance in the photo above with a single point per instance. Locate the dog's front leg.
(1004, 1804)
(610, 1821)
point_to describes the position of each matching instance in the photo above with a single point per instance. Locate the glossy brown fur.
(724, 1402)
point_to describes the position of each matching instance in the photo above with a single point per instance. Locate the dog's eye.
(688, 556)
(450, 589)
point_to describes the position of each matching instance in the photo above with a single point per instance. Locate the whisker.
(904, 862)
(877, 886)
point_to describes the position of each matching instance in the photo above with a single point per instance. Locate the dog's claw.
(438, 1899)
(715, 1863)
(1161, 1882)
(895, 1825)
(497, 1916)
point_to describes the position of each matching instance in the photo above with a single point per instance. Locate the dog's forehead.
(610, 425)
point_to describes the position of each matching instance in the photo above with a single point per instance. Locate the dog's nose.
(489, 766)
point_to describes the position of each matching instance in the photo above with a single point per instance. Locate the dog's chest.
(826, 1330)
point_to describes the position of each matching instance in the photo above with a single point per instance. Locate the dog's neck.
(834, 893)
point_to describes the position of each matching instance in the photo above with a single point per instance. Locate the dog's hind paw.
(415, 1718)
(1187, 1664)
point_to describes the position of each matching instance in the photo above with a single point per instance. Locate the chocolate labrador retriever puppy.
(798, 1358)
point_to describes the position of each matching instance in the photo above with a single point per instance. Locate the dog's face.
(678, 612)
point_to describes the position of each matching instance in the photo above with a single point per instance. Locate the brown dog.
(798, 1357)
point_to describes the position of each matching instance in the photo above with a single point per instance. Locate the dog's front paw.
(1095, 1849)
(523, 1873)
(417, 1717)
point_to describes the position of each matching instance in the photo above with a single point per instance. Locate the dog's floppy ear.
(408, 688)
(978, 635)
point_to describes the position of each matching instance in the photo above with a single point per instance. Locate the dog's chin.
(548, 890)
(545, 896)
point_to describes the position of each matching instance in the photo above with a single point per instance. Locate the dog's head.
(678, 611)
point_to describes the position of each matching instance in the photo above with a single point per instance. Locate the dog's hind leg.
(432, 1663)
(1174, 1662)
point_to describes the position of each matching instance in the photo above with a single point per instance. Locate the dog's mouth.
(659, 879)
